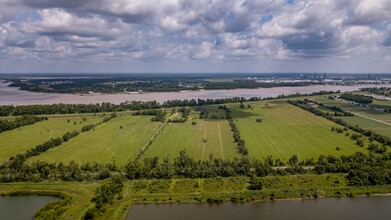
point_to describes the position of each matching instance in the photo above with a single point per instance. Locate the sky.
(195, 36)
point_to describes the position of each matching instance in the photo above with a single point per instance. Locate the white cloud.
(92, 30)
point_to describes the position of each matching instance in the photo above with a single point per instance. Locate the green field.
(375, 120)
(376, 114)
(287, 130)
(107, 143)
(21, 139)
(179, 136)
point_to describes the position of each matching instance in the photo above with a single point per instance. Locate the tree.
(293, 160)
(255, 184)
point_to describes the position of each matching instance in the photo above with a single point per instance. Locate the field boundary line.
(221, 142)
(373, 119)
(204, 143)
(151, 139)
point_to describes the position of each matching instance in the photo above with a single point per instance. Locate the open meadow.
(21, 139)
(286, 130)
(375, 120)
(199, 140)
(119, 139)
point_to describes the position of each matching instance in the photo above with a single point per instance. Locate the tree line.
(362, 99)
(366, 132)
(362, 169)
(17, 122)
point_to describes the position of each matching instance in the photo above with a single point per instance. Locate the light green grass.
(107, 143)
(379, 115)
(179, 136)
(287, 130)
(21, 139)
(365, 123)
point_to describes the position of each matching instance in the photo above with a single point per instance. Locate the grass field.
(366, 118)
(287, 130)
(379, 115)
(21, 139)
(179, 136)
(107, 143)
(365, 123)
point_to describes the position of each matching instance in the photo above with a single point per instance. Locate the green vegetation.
(200, 140)
(364, 117)
(107, 143)
(17, 122)
(234, 150)
(287, 130)
(24, 138)
(357, 98)
(79, 195)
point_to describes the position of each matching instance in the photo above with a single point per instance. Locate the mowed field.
(21, 139)
(287, 130)
(378, 115)
(375, 120)
(185, 136)
(107, 143)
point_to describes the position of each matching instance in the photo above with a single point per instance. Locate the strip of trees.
(17, 122)
(366, 132)
(362, 99)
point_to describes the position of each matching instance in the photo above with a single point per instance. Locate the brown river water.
(14, 96)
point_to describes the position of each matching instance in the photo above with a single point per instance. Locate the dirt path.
(373, 119)
(204, 143)
(221, 142)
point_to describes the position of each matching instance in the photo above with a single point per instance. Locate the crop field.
(21, 139)
(119, 139)
(287, 130)
(200, 140)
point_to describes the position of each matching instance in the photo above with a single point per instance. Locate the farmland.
(240, 136)
(284, 131)
(287, 130)
(200, 140)
(366, 118)
(119, 139)
(23, 138)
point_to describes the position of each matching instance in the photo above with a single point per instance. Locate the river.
(22, 207)
(14, 96)
(374, 207)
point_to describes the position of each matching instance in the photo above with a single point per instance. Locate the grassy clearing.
(81, 195)
(21, 139)
(179, 136)
(286, 130)
(119, 139)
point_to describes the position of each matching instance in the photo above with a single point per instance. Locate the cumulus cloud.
(215, 30)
